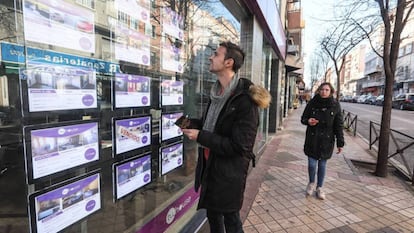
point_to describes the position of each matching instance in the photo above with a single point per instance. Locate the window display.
(60, 23)
(57, 207)
(171, 157)
(99, 84)
(132, 41)
(168, 129)
(57, 87)
(131, 175)
(131, 133)
(132, 91)
(51, 148)
(172, 92)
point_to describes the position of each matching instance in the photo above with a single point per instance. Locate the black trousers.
(218, 221)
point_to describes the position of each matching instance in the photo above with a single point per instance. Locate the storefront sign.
(16, 54)
(171, 214)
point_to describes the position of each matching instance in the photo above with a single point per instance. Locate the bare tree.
(391, 17)
(394, 20)
(337, 43)
(319, 64)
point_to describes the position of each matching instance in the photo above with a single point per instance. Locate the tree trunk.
(384, 139)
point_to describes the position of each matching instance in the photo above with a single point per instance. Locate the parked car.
(379, 100)
(346, 98)
(361, 99)
(370, 99)
(355, 99)
(404, 101)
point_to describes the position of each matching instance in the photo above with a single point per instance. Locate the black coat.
(222, 178)
(320, 139)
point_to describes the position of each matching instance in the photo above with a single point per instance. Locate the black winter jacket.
(221, 179)
(320, 139)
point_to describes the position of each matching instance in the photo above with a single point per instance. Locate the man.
(226, 135)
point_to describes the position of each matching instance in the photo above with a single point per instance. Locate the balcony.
(372, 83)
(293, 49)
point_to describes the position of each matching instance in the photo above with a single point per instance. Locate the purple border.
(171, 214)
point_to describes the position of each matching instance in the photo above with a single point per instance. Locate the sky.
(313, 12)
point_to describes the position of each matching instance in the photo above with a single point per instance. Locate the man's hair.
(326, 84)
(234, 52)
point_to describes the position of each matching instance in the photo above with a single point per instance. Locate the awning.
(293, 63)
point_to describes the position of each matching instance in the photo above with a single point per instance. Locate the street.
(402, 121)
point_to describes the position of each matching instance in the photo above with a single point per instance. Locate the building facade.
(90, 91)
(371, 81)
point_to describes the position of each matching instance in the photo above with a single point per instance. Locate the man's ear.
(229, 62)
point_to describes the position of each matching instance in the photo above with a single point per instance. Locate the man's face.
(217, 62)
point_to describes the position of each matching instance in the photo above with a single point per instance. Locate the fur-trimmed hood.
(259, 94)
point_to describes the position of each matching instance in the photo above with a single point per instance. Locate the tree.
(394, 22)
(391, 17)
(337, 43)
(319, 64)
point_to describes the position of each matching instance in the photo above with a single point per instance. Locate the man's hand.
(339, 150)
(192, 134)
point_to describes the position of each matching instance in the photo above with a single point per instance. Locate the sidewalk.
(357, 201)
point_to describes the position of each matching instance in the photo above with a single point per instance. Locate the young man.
(226, 135)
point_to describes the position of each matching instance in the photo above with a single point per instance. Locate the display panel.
(172, 55)
(133, 31)
(131, 133)
(168, 129)
(131, 175)
(51, 148)
(171, 92)
(172, 23)
(131, 45)
(132, 91)
(57, 207)
(171, 157)
(57, 87)
(60, 23)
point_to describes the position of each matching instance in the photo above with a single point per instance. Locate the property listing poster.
(59, 23)
(140, 10)
(171, 157)
(168, 128)
(132, 40)
(59, 208)
(132, 175)
(172, 23)
(132, 46)
(172, 92)
(132, 91)
(60, 148)
(172, 57)
(172, 53)
(133, 133)
(57, 87)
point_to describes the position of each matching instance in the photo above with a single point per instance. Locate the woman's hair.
(326, 84)
(234, 52)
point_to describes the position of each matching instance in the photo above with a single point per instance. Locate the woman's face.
(325, 91)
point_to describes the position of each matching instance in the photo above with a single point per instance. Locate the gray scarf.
(217, 103)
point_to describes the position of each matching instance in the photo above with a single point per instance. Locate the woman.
(323, 117)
